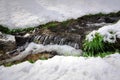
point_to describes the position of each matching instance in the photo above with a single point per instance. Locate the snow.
(63, 68)
(30, 13)
(34, 48)
(109, 32)
(7, 37)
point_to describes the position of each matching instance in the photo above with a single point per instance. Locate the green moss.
(66, 23)
(94, 15)
(50, 25)
(13, 31)
(31, 61)
(43, 58)
(55, 23)
(11, 63)
(4, 29)
(112, 14)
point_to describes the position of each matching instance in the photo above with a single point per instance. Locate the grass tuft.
(96, 45)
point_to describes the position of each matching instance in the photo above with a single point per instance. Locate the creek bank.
(71, 33)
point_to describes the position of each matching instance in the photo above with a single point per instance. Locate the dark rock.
(7, 43)
(21, 40)
(110, 20)
(117, 44)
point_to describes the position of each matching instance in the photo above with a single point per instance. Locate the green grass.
(31, 61)
(100, 54)
(55, 23)
(50, 25)
(96, 45)
(20, 30)
(115, 14)
(4, 29)
(13, 31)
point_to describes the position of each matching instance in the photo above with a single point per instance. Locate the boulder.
(7, 43)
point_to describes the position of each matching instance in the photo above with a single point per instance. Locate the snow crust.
(30, 13)
(109, 32)
(65, 68)
(34, 48)
(7, 37)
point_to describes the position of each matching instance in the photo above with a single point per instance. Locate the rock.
(60, 38)
(7, 43)
(43, 55)
(110, 20)
(31, 58)
(21, 40)
(117, 44)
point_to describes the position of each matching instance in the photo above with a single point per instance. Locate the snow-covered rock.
(62, 68)
(7, 37)
(34, 48)
(7, 42)
(109, 32)
(29, 13)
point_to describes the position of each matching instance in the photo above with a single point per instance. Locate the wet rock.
(117, 44)
(21, 40)
(110, 20)
(7, 43)
(31, 58)
(70, 39)
(43, 55)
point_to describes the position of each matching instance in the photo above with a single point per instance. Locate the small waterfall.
(71, 40)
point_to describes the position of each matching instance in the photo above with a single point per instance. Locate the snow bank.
(26, 13)
(109, 32)
(6, 37)
(65, 68)
(34, 48)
